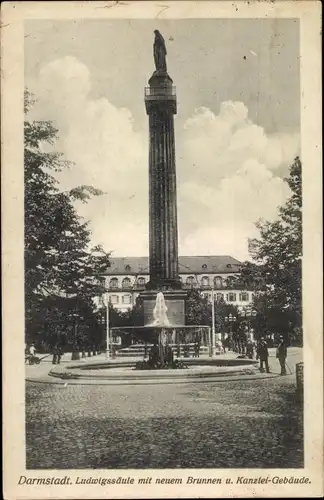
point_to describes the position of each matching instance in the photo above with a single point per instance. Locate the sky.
(237, 126)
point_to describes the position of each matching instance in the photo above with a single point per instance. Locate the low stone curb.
(225, 378)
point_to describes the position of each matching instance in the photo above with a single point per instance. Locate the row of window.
(230, 297)
(205, 281)
(125, 299)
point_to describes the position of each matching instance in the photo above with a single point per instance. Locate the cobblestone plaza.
(230, 424)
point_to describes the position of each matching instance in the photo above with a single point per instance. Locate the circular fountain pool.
(117, 372)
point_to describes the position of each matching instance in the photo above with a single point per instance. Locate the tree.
(198, 310)
(223, 310)
(276, 272)
(62, 274)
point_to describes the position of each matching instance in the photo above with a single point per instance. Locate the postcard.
(162, 249)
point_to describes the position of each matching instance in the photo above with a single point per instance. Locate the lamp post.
(229, 320)
(213, 323)
(247, 314)
(107, 329)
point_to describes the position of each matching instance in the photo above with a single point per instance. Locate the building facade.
(127, 277)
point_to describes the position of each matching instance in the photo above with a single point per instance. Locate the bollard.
(300, 377)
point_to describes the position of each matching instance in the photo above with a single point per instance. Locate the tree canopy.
(276, 271)
(62, 274)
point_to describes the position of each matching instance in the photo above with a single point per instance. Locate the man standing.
(263, 355)
(282, 355)
(32, 351)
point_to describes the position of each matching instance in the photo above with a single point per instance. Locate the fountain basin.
(123, 372)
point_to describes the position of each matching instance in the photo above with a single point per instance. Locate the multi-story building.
(127, 276)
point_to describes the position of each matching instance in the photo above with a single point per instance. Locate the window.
(126, 299)
(218, 282)
(205, 281)
(219, 296)
(114, 299)
(228, 266)
(231, 297)
(244, 297)
(141, 281)
(126, 283)
(113, 283)
(190, 280)
(127, 268)
(230, 280)
(204, 266)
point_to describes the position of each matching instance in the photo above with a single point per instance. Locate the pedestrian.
(59, 354)
(250, 349)
(263, 355)
(55, 355)
(197, 348)
(32, 351)
(281, 355)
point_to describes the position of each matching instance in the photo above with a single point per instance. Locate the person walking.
(263, 355)
(32, 351)
(55, 355)
(250, 349)
(281, 355)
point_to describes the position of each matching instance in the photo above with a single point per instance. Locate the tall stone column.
(161, 105)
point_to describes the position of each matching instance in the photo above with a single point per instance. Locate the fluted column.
(161, 106)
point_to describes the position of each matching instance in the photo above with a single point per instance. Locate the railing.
(169, 91)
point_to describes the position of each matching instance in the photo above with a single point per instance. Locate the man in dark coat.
(263, 354)
(281, 354)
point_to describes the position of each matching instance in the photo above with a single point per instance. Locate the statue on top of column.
(159, 52)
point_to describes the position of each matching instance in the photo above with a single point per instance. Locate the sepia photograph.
(163, 194)
(163, 244)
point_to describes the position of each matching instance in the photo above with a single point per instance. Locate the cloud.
(106, 150)
(228, 167)
(231, 179)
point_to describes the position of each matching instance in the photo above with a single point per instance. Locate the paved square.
(238, 424)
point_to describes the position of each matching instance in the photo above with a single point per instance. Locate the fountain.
(164, 331)
(164, 301)
(160, 311)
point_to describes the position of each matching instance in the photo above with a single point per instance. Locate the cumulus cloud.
(106, 150)
(230, 170)
(228, 167)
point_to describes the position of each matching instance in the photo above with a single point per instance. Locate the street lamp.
(248, 313)
(107, 322)
(230, 319)
(213, 323)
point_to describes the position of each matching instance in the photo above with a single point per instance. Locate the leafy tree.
(198, 310)
(276, 272)
(223, 310)
(61, 272)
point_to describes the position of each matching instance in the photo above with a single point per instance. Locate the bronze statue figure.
(159, 52)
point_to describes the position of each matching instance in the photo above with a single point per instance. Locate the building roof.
(187, 265)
